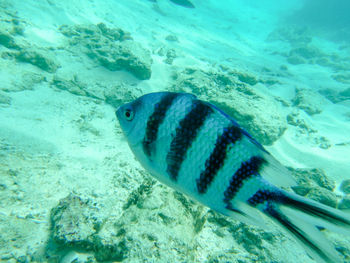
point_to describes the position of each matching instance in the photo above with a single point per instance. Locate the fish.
(184, 3)
(197, 149)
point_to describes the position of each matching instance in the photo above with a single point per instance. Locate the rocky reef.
(113, 49)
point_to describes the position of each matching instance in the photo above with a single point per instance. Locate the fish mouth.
(117, 113)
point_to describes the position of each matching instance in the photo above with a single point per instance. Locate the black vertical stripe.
(248, 168)
(216, 159)
(155, 120)
(185, 134)
(264, 195)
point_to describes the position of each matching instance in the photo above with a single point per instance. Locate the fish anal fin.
(245, 213)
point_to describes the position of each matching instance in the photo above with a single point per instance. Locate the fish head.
(130, 119)
(133, 117)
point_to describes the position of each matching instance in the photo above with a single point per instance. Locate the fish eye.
(128, 114)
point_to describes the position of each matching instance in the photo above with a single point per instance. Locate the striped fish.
(195, 148)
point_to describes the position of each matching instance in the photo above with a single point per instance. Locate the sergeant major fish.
(196, 148)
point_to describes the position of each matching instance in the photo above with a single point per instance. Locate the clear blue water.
(70, 188)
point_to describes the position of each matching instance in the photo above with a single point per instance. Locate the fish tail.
(304, 219)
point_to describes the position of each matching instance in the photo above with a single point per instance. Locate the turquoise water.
(70, 188)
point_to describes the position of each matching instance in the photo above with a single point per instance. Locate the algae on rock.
(344, 203)
(113, 49)
(152, 225)
(37, 58)
(7, 40)
(293, 35)
(10, 26)
(114, 94)
(310, 101)
(336, 96)
(127, 55)
(5, 100)
(345, 186)
(11, 37)
(75, 220)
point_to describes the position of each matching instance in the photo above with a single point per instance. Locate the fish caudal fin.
(303, 219)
